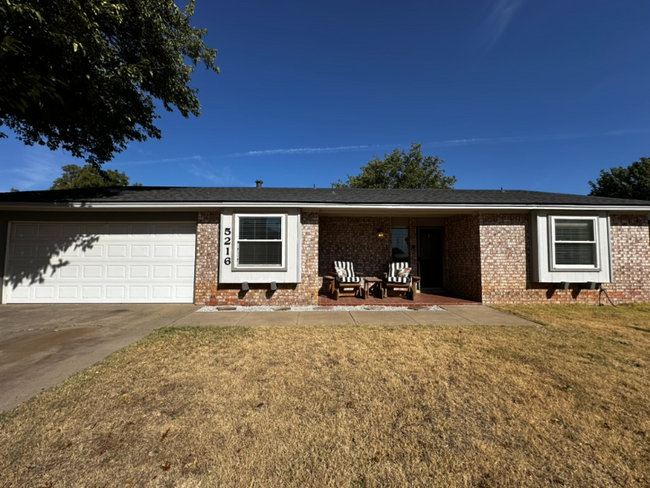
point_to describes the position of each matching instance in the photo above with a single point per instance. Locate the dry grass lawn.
(562, 405)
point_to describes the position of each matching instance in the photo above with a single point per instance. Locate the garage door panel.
(118, 271)
(69, 252)
(68, 292)
(140, 293)
(116, 251)
(92, 271)
(184, 229)
(24, 230)
(94, 251)
(71, 271)
(21, 293)
(96, 263)
(185, 293)
(162, 292)
(91, 293)
(163, 251)
(162, 272)
(140, 251)
(185, 271)
(120, 229)
(45, 252)
(45, 291)
(138, 271)
(48, 230)
(70, 231)
(185, 251)
(114, 292)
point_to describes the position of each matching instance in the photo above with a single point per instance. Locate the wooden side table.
(369, 284)
(330, 286)
(415, 283)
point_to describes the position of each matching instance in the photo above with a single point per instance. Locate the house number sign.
(227, 244)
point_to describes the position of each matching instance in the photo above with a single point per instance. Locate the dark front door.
(430, 256)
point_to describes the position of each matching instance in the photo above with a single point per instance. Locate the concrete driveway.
(42, 345)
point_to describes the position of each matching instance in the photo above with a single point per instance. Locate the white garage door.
(100, 263)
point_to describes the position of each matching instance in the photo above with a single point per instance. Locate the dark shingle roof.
(326, 196)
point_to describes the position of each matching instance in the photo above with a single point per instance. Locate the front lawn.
(565, 404)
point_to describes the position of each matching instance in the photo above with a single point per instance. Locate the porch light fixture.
(380, 234)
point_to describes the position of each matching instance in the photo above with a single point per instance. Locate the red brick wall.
(463, 257)
(505, 263)
(631, 258)
(487, 258)
(354, 239)
(209, 292)
(207, 257)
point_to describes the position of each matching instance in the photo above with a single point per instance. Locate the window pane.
(575, 253)
(574, 230)
(260, 253)
(400, 244)
(265, 228)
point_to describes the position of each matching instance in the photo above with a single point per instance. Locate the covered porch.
(442, 249)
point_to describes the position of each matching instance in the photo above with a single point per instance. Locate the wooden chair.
(398, 278)
(346, 282)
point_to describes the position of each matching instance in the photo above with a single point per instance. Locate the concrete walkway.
(42, 345)
(452, 315)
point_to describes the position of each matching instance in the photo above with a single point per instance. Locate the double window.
(574, 242)
(260, 241)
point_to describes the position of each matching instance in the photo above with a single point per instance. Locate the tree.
(83, 75)
(631, 182)
(89, 176)
(401, 170)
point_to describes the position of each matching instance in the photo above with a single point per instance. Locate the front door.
(431, 256)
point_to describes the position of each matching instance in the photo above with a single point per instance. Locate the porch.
(442, 250)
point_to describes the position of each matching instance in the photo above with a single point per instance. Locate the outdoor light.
(380, 234)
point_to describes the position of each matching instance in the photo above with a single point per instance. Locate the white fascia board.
(316, 206)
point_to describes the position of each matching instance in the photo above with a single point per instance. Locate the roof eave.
(186, 206)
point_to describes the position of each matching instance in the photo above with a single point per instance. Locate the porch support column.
(413, 245)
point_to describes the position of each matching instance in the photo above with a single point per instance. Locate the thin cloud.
(498, 21)
(204, 171)
(36, 170)
(304, 150)
(165, 160)
(441, 143)
(507, 139)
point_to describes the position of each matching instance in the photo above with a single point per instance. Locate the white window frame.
(283, 238)
(552, 242)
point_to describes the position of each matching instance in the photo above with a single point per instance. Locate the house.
(273, 246)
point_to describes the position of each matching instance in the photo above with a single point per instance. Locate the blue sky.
(510, 93)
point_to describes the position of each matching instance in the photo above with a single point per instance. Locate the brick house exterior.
(497, 247)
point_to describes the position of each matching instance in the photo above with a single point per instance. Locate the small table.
(416, 283)
(369, 284)
(330, 286)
